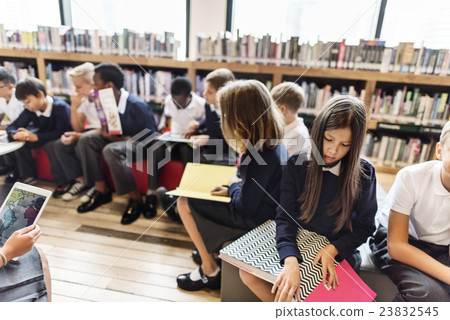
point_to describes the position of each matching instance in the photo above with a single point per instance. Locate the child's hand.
(193, 125)
(70, 137)
(21, 241)
(76, 100)
(220, 191)
(200, 140)
(288, 282)
(326, 257)
(25, 135)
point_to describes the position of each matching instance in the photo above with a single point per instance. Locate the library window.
(326, 20)
(417, 21)
(27, 14)
(140, 16)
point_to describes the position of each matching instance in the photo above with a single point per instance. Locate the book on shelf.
(397, 151)
(108, 114)
(199, 179)
(410, 106)
(367, 55)
(256, 253)
(67, 39)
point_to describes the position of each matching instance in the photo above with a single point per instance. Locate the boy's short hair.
(445, 133)
(84, 71)
(6, 76)
(181, 86)
(219, 77)
(110, 72)
(288, 94)
(29, 86)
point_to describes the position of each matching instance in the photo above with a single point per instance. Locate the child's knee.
(247, 278)
(182, 205)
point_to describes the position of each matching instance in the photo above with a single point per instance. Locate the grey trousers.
(89, 149)
(413, 285)
(64, 161)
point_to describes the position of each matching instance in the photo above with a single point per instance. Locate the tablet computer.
(21, 208)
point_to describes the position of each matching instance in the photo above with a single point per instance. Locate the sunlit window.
(327, 20)
(27, 14)
(137, 15)
(417, 21)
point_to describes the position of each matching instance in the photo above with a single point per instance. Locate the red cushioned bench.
(170, 176)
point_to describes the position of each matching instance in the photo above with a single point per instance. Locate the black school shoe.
(184, 281)
(150, 205)
(132, 212)
(168, 204)
(95, 201)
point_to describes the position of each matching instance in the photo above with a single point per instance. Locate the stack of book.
(21, 70)
(67, 39)
(316, 98)
(410, 106)
(367, 55)
(398, 152)
(150, 86)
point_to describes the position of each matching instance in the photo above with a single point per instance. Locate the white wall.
(207, 17)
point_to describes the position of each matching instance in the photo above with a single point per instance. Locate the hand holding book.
(326, 257)
(287, 284)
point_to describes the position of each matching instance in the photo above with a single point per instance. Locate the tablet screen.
(19, 210)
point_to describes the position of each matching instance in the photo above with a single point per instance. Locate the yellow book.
(199, 179)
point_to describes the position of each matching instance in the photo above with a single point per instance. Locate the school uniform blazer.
(345, 241)
(48, 128)
(137, 117)
(257, 196)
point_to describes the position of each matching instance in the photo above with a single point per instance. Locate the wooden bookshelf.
(276, 73)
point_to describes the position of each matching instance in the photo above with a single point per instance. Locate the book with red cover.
(256, 253)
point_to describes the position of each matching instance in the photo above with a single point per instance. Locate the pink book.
(350, 288)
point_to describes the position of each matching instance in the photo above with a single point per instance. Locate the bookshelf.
(369, 80)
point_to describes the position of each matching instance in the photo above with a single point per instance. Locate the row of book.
(21, 70)
(398, 152)
(316, 98)
(200, 84)
(410, 106)
(150, 86)
(67, 39)
(367, 55)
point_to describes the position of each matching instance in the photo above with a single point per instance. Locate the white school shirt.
(180, 118)
(88, 109)
(13, 108)
(418, 192)
(296, 137)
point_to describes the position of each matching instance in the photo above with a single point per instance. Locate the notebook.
(199, 179)
(256, 253)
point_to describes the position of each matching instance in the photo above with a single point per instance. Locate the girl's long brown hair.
(249, 115)
(340, 112)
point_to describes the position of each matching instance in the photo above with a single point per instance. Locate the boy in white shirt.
(10, 106)
(414, 250)
(183, 106)
(288, 96)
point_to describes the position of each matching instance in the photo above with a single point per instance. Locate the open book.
(199, 179)
(170, 137)
(108, 114)
(256, 253)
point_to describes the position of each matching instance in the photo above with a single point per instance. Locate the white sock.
(151, 192)
(195, 275)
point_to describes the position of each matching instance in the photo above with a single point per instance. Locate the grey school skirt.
(218, 222)
(23, 280)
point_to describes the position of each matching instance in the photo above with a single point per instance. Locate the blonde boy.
(288, 96)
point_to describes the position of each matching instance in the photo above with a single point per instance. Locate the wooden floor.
(93, 257)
